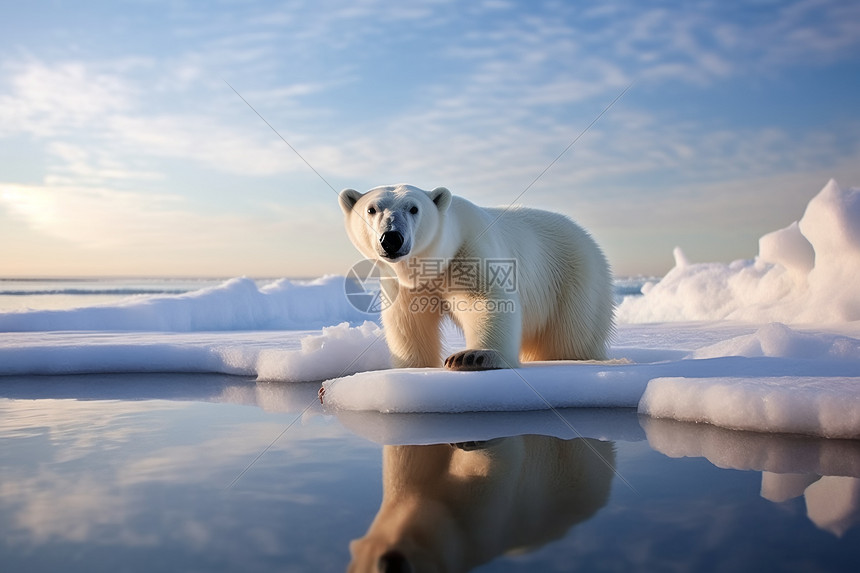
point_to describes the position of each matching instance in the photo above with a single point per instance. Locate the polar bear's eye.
(414, 210)
(371, 211)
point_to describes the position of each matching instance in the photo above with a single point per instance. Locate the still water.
(216, 473)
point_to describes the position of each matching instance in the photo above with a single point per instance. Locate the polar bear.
(451, 508)
(522, 284)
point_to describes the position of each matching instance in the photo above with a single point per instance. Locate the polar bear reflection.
(454, 507)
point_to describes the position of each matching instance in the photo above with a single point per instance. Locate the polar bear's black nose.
(391, 242)
(393, 562)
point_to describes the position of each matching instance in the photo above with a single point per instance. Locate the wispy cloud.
(479, 97)
(50, 100)
(92, 166)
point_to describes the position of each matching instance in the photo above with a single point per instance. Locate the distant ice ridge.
(807, 272)
(237, 304)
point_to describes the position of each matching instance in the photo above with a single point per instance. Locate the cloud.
(88, 112)
(713, 41)
(91, 166)
(481, 99)
(53, 100)
(509, 81)
(807, 31)
(457, 139)
(203, 140)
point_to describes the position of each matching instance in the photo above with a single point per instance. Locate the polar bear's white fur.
(557, 305)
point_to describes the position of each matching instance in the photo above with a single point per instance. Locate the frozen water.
(289, 356)
(776, 347)
(814, 405)
(338, 351)
(773, 380)
(808, 272)
(778, 340)
(237, 304)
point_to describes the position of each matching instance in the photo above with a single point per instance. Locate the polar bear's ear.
(441, 197)
(348, 199)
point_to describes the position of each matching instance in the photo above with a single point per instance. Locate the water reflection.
(215, 388)
(824, 472)
(607, 424)
(452, 507)
(131, 473)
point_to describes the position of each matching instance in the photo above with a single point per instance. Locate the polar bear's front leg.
(493, 331)
(412, 334)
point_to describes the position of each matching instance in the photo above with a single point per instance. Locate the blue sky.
(124, 152)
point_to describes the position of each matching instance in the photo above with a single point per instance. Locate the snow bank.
(819, 406)
(535, 386)
(808, 272)
(338, 351)
(778, 340)
(237, 304)
(775, 379)
(284, 356)
(765, 394)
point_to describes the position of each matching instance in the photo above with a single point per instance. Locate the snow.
(767, 345)
(815, 405)
(812, 389)
(288, 356)
(535, 386)
(338, 351)
(778, 340)
(808, 272)
(237, 304)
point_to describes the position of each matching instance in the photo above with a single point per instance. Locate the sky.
(124, 150)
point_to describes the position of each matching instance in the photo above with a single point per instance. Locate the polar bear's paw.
(471, 359)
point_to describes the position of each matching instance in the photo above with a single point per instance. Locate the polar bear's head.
(394, 222)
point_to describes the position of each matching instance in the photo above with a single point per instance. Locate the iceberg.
(807, 272)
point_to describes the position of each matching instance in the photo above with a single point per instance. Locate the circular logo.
(370, 286)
